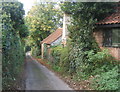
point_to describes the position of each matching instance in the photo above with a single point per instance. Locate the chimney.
(66, 21)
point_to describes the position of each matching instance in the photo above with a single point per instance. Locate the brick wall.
(99, 37)
(115, 52)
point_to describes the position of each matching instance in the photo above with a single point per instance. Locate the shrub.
(91, 64)
(107, 80)
(35, 51)
(97, 60)
(56, 53)
(13, 54)
(100, 57)
(60, 56)
(102, 66)
(56, 68)
(84, 55)
(64, 60)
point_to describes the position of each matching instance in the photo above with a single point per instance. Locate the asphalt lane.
(38, 77)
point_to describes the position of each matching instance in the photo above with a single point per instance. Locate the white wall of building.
(66, 21)
(57, 42)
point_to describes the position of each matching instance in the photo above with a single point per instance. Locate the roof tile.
(112, 19)
(52, 37)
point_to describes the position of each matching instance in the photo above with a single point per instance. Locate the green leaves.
(85, 57)
(13, 49)
(107, 80)
(41, 20)
(56, 53)
(15, 11)
(84, 16)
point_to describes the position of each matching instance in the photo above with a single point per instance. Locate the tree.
(84, 16)
(12, 46)
(42, 19)
(85, 58)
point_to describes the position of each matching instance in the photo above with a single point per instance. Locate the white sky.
(27, 4)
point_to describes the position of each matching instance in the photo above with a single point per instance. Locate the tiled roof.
(113, 19)
(54, 36)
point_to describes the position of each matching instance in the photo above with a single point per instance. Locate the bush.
(64, 60)
(107, 80)
(56, 53)
(104, 67)
(99, 57)
(60, 56)
(97, 60)
(13, 54)
(56, 68)
(91, 64)
(35, 50)
(84, 55)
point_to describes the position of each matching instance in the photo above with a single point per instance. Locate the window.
(111, 38)
(116, 37)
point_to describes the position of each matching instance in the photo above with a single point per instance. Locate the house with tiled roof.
(107, 33)
(53, 39)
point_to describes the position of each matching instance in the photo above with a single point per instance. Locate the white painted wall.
(66, 21)
(57, 42)
(42, 50)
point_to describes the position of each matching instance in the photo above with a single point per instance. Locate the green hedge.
(13, 54)
(56, 53)
(60, 56)
(85, 57)
(101, 65)
(108, 80)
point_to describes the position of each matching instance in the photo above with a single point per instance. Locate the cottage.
(107, 34)
(53, 39)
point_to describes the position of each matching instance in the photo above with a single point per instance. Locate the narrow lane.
(38, 77)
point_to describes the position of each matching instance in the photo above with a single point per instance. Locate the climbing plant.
(13, 32)
(84, 16)
(84, 54)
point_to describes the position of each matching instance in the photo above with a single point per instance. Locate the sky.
(27, 4)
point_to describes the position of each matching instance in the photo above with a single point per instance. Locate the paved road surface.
(38, 77)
